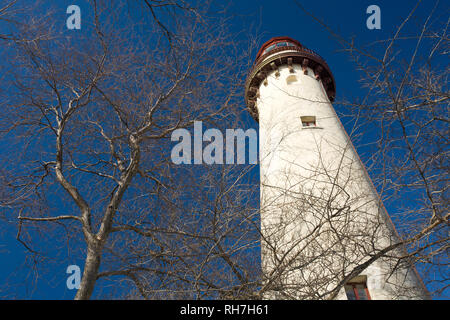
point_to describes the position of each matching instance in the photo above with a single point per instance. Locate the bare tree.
(5, 13)
(94, 115)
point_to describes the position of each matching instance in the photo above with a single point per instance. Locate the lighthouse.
(325, 233)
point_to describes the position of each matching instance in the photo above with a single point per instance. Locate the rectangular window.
(356, 289)
(308, 121)
(269, 48)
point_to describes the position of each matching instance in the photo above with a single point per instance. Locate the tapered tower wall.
(320, 215)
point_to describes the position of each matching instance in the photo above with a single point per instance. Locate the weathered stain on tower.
(324, 229)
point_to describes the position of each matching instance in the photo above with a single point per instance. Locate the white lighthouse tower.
(325, 233)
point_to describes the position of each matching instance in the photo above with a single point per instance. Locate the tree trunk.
(91, 267)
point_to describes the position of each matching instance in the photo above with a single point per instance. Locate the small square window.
(308, 121)
(356, 289)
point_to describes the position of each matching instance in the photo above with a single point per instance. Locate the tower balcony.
(280, 51)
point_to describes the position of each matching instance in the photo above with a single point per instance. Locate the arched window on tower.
(356, 289)
(291, 79)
